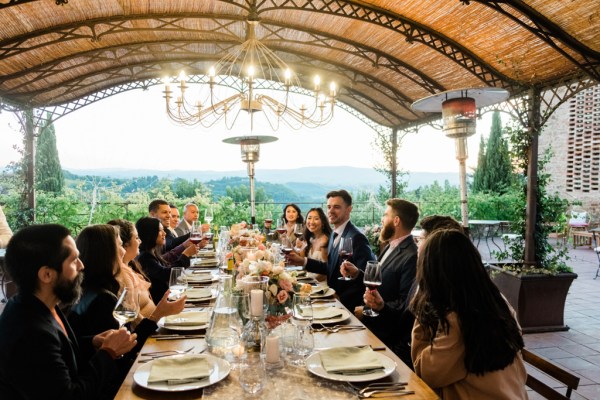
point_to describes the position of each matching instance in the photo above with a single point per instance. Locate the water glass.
(253, 377)
(177, 282)
(302, 317)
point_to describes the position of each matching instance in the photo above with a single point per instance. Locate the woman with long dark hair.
(292, 215)
(466, 341)
(316, 235)
(101, 250)
(154, 266)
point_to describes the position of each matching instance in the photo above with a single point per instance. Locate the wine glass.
(302, 318)
(299, 234)
(372, 280)
(208, 215)
(281, 227)
(345, 253)
(196, 232)
(127, 307)
(177, 282)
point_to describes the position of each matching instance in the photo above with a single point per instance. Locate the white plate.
(201, 299)
(161, 323)
(202, 278)
(219, 369)
(345, 315)
(330, 292)
(314, 365)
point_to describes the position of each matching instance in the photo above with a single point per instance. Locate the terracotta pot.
(538, 299)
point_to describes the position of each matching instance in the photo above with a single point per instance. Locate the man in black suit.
(398, 262)
(40, 357)
(161, 210)
(339, 207)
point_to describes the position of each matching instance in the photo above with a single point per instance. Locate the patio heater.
(250, 147)
(459, 113)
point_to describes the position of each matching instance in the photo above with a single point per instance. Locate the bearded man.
(398, 262)
(40, 357)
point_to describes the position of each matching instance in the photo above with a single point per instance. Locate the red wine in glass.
(281, 231)
(268, 221)
(286, 250)
(299, 236)
(346, 255)
(195, 238)
(372, 285)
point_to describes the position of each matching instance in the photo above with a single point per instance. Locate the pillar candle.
(272, 349)
(256, 302)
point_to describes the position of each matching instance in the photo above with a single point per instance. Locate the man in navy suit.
(398, 262)
(339, 207)
(40, 357)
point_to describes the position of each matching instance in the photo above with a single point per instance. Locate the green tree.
(478, 176)
(497, 172)
(49, 174)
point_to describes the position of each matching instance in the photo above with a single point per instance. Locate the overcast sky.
(132, 130)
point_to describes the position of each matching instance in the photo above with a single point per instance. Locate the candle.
(272, 349)
(256, 302)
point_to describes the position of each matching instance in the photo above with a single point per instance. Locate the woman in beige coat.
(465, 342)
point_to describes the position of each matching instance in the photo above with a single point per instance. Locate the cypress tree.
(498, 175)
(49, 174)
(481, 168)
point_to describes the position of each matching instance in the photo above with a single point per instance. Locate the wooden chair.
(549, 368)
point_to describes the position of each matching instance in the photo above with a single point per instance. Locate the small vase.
(278, 313)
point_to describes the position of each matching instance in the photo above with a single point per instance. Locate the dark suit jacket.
(37, 360)
(350, 292)
(394, 323)
(173, 241)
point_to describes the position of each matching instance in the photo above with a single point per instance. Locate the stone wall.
(573, 134)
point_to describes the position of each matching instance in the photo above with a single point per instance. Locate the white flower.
(278, 269)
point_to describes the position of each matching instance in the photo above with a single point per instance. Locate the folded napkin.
(350, 360)
(196, 294)
(179, 370)
(322, 312)
(319, 289)
(199, 278)
(207, 253)
(191, 318)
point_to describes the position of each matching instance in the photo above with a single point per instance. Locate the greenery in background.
(48, 171)
(550, 208)
(494, 171)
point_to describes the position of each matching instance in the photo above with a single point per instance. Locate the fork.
(157, 353)
(337, 328)
(385, 392)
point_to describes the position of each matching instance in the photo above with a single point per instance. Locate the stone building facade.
(573, 135)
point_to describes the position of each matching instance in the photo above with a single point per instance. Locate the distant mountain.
(311, 181)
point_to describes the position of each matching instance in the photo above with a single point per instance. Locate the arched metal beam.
(549, 32)
(413, 31)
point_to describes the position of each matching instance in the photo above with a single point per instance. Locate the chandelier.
(256, 74)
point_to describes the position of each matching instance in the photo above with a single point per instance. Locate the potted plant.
(537, 292)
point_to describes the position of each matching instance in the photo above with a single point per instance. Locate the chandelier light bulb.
(182, 76)
(332, 89)
(288, 76)
(251, 71)
(317, 83)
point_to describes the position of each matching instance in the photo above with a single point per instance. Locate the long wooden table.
(288, 380)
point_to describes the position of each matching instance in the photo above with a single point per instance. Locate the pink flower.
(285, 285)
(261, 247)
(282, 296)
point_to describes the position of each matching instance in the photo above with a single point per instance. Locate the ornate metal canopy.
(385, 54)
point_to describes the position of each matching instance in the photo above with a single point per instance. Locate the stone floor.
(577, 349)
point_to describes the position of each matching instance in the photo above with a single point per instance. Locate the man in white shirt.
(5, 231)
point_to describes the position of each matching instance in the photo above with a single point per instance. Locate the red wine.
(268, 221)
(281, 231)
(195, 240)
(299, 236)
(372, 285)
(346, 255)
(286, 250)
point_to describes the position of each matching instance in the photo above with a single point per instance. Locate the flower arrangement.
(372, 233)
(280, 287)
